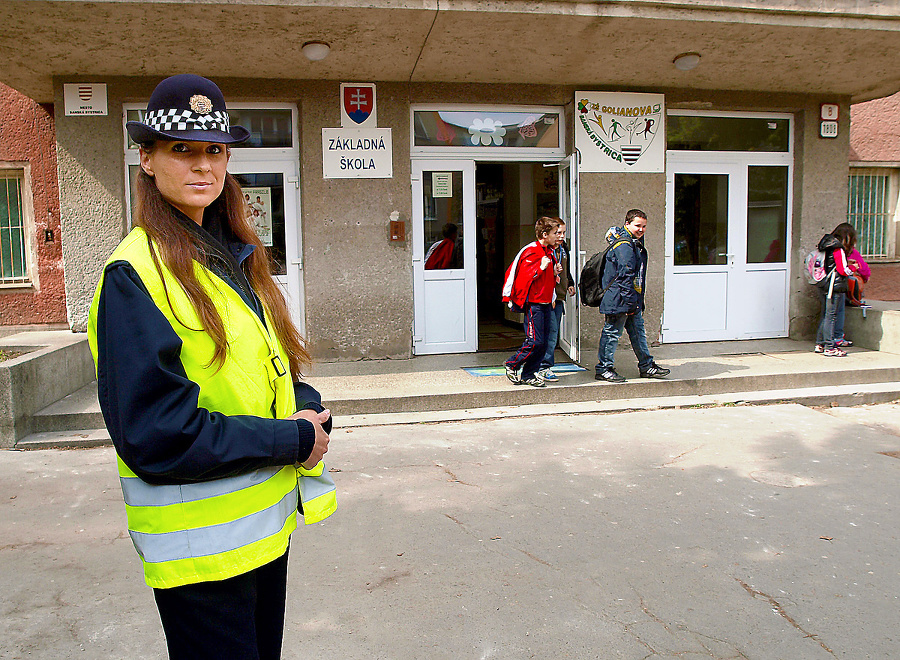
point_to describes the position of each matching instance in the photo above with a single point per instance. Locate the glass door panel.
(264, 197)
(701, 219)
(767, 212)
(271, 198)
(444, 226)
(568, 211)
(444, 265)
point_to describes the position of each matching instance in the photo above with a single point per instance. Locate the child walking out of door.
(530, 287)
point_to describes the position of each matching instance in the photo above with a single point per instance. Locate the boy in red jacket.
(530, 284)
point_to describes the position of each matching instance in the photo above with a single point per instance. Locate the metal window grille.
(13, 261)
(867, 210)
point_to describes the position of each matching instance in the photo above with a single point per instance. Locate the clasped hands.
(320, 447)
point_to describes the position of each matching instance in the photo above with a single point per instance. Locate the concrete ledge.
(878, 330)
(57, 363)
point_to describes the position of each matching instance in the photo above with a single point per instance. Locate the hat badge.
(201, 104)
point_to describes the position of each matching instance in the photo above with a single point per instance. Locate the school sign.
(620, 132)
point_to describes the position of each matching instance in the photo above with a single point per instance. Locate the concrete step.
(428, 388)
(833, 395)
(583, 387)
(440, 382)
(79, 410)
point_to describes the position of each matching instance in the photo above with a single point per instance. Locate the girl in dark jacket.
(836, 246)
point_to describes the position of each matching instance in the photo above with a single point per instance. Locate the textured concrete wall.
(875, 130)
(605, 198)
(27, 137)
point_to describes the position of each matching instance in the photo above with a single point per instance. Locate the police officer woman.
(198, 367)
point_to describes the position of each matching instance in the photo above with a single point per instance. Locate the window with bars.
(13, 234)
(868, 210)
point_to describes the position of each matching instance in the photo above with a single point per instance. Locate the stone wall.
(875, 130)
(27, 140)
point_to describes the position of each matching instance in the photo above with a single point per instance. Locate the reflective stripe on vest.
(215, 539)
(317, 493)
(138, 492)
(217, 529)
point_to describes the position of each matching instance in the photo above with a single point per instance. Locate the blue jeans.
(840, 304)
(609, 340)
(825, 335)
(537, 318)
(553, 334)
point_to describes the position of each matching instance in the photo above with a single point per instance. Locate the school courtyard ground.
(885, 282)
(737, 531)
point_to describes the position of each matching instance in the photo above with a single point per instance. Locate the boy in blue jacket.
(623, 303)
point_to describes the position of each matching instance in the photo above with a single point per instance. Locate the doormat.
(501, 370)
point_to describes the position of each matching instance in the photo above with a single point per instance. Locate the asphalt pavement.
(763, 532)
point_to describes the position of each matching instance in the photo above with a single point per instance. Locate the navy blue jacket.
(624, 273)
(154, 404)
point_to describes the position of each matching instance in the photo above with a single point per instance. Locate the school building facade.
(375, 125)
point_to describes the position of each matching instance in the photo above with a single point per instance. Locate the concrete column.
(820, 202)
(92, 195)
(359, 297)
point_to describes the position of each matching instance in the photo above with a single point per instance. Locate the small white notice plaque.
(442, 184)
(828, 129)
(829, 111)
(361, 153)
(85, 99)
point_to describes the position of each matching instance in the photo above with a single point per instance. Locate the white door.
(271, 189)
(726, 270)
(444, 285)
(568, 211)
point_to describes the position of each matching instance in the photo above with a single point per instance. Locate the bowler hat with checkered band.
(186, 107)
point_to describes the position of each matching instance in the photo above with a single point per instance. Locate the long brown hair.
(847, 235)
(179, 249)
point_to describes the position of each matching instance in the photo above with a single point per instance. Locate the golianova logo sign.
(622, 132)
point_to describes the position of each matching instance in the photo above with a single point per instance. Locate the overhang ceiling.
(825, 47)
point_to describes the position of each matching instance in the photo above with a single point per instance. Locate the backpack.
(855, 291)
(592, 276)
(815, 267)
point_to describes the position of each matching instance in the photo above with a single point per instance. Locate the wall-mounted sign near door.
(828, 116)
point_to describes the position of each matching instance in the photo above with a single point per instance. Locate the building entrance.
(469, 222)
(510, 197)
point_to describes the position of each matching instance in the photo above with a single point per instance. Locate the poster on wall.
(259, 211)
(620, 131)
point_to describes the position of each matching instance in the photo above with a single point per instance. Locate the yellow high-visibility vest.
(217, 529)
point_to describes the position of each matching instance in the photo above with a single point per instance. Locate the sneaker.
(835, 352)
(534, 381)
(513, 375)
(843, 343)
(547, 375)
(819, 349)
(610, 376)
(655, 371)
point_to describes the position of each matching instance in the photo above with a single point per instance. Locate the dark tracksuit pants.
(537, 323)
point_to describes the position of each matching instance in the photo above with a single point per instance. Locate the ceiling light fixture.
(315, 51)
(686, 61)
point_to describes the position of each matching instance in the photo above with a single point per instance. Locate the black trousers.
(241, 618)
